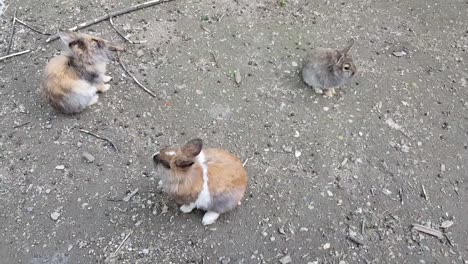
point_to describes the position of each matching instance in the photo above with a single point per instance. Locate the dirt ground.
(338, 180)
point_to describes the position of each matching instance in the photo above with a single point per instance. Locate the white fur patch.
(171, 153)
(204, 198)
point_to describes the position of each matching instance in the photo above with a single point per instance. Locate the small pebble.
(55, 216)
(294, 64)
(326, 246)
(145, 251)
(287, 149)
(60, 167)
(326, 108)
(285, 260)
(87, 157)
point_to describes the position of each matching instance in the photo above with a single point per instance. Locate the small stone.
(199, 92)
(238, 76)
(60, 167)
(145, 251)
(55, 216)
(285, 260)
(442, 167)
(296, 134)
(399, 53)
(386, 191)
(87, 157)
(329, 193)
(342, 262)
(29, 209)
(446, 224)
(225, 260)
(404, 148)
(326, 108)
(48, 191)
(48, 126)
(297, 153)
(140, 53)
(294, 64)
(326, 246)
(272, 239)
(287, 149)
(164, 209)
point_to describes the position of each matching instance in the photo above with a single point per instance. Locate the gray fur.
(225, 202)
(324, 68)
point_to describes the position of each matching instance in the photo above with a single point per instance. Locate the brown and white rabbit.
(72, 79)
(326, 69)
(209, 179)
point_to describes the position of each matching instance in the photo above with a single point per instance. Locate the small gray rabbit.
(326, 69)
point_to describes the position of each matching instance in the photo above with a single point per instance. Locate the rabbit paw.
(106, 78)
(103, 87)
(187, 208)
(209, 218)
(329, 92)
(93, 100)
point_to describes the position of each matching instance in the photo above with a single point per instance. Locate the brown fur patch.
(225, 172)
(184, 186)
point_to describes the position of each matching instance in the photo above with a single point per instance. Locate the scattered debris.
(100, 137)
(112, 14)
(428, 230)
(130, 195)
(120, 33)
(133, 77)
(393, 125)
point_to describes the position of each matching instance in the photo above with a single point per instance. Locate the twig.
(10, 43)
(428, 230)
(121, 244)
(22, 125)
(31, 27)
(120, 33)
(245, 162)
(130, 195)
(363, 226)
(112, 14)
(100, 137)
(356, 240)
(133, 77)
(215, 60)
(14, 54)
(424, 193)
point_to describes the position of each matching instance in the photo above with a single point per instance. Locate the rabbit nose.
(156, 157)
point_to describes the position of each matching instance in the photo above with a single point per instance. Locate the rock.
(326, 108)
(285, 260)
(446, 224)
(60, 167)
(237, 76)
(297, 153)
(145, 251)
(386, 191)
(399, 53)
(140, 53)
(225, 260)
(294, 64)
(287, 149)
(87, 157)
(326, 246)
(55, 216)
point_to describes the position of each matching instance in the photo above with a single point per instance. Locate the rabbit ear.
(192, 148)
(348, 46)
(66, 37)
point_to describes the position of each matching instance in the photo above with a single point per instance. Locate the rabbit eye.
(346, 67)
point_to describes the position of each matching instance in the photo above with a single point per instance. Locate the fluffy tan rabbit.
(326, 69)
(72, 79)
(209, 179)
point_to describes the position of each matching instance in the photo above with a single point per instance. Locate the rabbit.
(72, 79)
(209, 179)
(326, 69)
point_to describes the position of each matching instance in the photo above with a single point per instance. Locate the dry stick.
(121, 244)
(428, 230)
(10, 43)
(112, 14)
(100, 137)
(121, 34)
(133, 77)
(22, 125)
(32, 28)
(14, 54)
